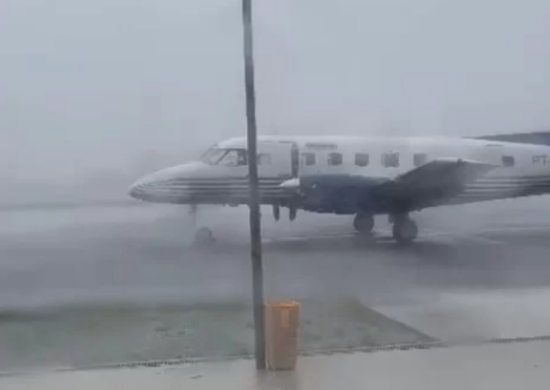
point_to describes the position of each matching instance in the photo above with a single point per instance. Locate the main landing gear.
(363, 223)
(404, 228)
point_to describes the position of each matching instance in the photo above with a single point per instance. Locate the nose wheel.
(405, 230)
(204, 237)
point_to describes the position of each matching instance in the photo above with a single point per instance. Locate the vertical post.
(255, 227)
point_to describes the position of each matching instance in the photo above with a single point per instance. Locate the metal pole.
(255, 231)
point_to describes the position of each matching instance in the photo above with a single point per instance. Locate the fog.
(94, 94)
(109, 89)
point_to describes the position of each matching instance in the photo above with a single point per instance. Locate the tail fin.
(535, 138)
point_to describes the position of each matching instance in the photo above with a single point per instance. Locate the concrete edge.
(311, 353)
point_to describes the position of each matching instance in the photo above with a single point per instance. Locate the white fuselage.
(221, 176)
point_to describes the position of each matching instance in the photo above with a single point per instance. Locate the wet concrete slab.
(90, 335)
(467, 278)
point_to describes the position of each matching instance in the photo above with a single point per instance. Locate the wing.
(428, 185)
(432, 183)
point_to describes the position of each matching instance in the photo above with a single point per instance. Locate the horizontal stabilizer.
(434, 181)
(443, 170)
(534, 138)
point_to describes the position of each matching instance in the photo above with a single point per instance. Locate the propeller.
(276, 212)
(294, 183)
(292, 211)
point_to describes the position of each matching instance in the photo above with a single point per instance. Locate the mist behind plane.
(87, 87)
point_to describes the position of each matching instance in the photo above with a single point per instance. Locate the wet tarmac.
(508, 366)
(89, 285)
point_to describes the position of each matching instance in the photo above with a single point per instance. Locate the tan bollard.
(282, 320)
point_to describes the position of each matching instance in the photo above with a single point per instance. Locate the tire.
(204, 237)
(405, 230)
(363, 223)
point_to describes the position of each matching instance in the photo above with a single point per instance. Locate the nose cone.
(145, 188)
(137, 190)
(170, 185)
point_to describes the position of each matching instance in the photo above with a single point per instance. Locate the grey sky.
(85, 85)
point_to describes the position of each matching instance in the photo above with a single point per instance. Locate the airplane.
(361, 176)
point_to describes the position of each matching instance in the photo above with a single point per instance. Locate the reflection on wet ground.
(101, 285)
(100, 334)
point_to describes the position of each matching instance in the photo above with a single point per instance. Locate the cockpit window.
(213, 156)
(234, 158)
(227, 157)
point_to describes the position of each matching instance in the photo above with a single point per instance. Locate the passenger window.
(335, 159)
(264, 159)
(361, 159)
(508, 161)
(308, 159)
(390, 160)
(420, 159)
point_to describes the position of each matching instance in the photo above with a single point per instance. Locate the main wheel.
(405, 230)
(363, 223)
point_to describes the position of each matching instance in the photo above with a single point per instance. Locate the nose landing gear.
(203, 236)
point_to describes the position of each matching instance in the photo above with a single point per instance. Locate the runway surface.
(96, 285)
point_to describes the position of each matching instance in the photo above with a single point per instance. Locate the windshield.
(213, 156)
(227, 157)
